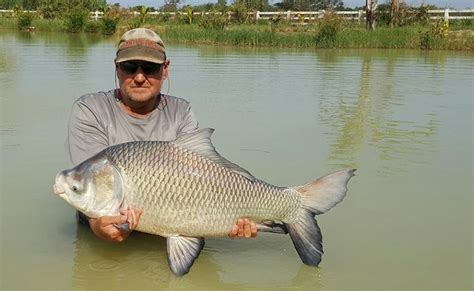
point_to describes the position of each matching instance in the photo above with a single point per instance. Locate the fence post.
(446, 14)
(257, 15)
(359, 17)
(96, 15)
(288, 15)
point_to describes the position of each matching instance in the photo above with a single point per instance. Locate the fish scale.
(191, 190)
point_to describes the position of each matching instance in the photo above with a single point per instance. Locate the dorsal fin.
(200, 142)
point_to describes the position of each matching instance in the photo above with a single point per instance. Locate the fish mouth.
(58, 189)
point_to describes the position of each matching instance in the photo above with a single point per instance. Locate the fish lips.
(58, 189)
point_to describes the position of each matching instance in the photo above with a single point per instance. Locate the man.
(136, 111)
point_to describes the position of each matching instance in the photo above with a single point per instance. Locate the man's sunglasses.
(131, 67)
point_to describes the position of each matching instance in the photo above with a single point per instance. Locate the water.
(403, 118)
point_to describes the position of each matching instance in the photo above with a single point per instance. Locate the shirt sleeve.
(189, 122)
(86, 136)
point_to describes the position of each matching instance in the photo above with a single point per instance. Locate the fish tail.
(317, 197)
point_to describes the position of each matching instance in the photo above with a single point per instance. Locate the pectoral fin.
(124, 226)
(182, 251)
(272, 226)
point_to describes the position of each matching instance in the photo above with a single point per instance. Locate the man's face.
(141, 81)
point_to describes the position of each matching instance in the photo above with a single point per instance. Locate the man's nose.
(139, 76)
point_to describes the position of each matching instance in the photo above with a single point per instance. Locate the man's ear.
(166, 66)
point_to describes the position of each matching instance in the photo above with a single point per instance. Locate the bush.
(109, 25)
(240, 13)
(406, 15)
(111, 18)
(163, 18)
(422, 16)
(466, 22)
(329, 27)
(92, 26)
(440, 28)
(180, 18)
(51, 10)
(434, 37)
(189, 14)
(24, 20)
(382, 14)
(133, 23)
(214, 20)
(75, 20)
(428, 41)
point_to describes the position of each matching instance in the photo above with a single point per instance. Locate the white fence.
(447, 14)
(359, 15)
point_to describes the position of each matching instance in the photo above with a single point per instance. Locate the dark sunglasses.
(131, 67)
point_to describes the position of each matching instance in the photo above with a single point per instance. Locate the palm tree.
(143, 12)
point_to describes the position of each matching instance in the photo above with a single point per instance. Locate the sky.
(456, 4)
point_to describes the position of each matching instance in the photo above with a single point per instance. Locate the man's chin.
(141, 98)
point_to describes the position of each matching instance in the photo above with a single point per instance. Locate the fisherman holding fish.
(136, 111)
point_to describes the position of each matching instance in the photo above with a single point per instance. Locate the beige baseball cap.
(141, 44)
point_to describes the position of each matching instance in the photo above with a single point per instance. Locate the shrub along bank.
(329, 32)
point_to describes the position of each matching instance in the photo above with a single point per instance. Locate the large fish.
(187, 191)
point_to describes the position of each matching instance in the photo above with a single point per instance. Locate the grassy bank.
(309, 36)
(457, 37)
(39, 24)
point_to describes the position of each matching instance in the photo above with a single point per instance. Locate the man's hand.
(105, 227)
(243, 228)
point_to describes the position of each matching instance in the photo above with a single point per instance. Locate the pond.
(402, 118)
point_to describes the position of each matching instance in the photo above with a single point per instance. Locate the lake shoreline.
(294, 36)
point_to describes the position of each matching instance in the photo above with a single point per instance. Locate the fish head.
(93, 187)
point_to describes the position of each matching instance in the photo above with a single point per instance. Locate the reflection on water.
(403, 118)
(97, 263)
(379, 119)
(221, 264)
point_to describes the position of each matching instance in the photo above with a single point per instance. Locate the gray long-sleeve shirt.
(98, 120)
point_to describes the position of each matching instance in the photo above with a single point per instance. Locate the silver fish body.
(187, 191)
(183, 193)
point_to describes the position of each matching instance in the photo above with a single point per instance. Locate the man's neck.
(139, 109)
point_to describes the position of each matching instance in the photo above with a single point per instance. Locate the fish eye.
(74, 188)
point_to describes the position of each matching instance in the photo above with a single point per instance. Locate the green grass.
(461, 36)
(39, 24)
(307, 37)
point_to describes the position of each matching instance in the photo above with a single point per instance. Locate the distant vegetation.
(403, 27)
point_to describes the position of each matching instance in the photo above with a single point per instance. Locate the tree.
(143, 12)
(394, 12)
(172, 2)
(60, 4)
(252, 4)
(370, 6)
(327, 4)
(170, 5)
(310, 5)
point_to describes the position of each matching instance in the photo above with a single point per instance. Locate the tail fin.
(317, 197)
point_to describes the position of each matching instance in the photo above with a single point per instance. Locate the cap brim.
(141, 53)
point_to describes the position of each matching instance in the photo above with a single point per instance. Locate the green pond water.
(403, 118)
